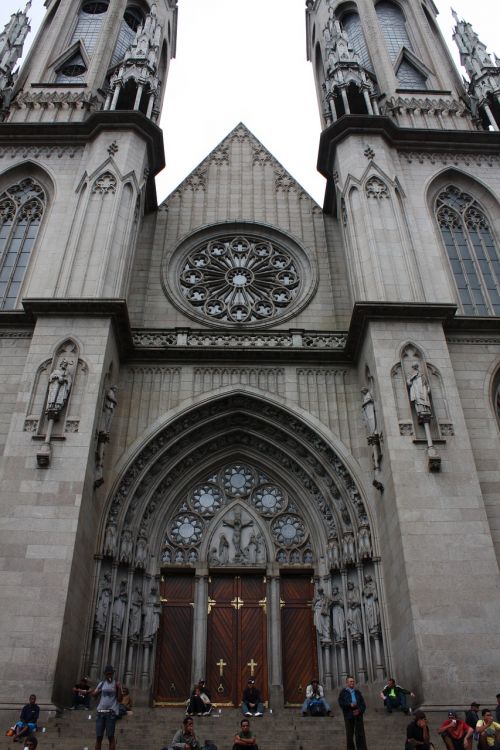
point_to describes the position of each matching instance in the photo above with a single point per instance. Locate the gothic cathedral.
(241, 434)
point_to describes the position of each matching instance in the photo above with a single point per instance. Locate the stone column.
(274, 636)
(200, 626)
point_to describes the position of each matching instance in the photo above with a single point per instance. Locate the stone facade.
(239, 380)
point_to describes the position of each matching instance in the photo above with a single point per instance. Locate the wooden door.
(298, 636)
(173, 682)
(236, 636)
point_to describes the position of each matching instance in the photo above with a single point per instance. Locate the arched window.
(393, 25)
(352, 25)
(90, 19)
(21, 211)
(472, 251)
(132, 19)
(72, 71)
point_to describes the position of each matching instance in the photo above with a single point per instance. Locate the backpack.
(316, 708)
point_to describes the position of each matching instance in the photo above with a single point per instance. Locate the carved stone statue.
(250, 551)
(119, 610)
(354, 616)
(135, 622)
(321, 607)
(141, 552)
(237, 526)
(213, 558)
(103, 603)
(59, 389)
(151, 616)
(368, 411)
(348, 549)
(223, 550)
(333, 554)
(110, 539)
(126, 547)
(261, 549)
(338, 615)
(372, 611)
(108, 410)
(420, 393)
(364, 543)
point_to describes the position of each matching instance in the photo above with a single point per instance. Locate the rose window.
(238, 480)
(289, 530)
(206, 499)
(268, 500)
(240, 280)
(186, 529)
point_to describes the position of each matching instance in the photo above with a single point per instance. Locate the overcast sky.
(245, 60)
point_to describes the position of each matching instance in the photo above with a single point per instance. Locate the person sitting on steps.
(245, 739)
(394, 697)
(28, 719)
(251, 704)
(315, 699)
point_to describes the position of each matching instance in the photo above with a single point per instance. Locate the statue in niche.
(110, 539)
(134, 628)
(333, 554)
(119, 610)
(321, 607)
(179, 556)
(223, 550)
(364, 543)
(192, 557)
(344, 512)
(338, 615)
(126, 547)
(250, 551)
(167, 555)
(141, 552)
(348, 549)
(237, 526)
(59, 388)
(261, 549)
(372, 610)
(354, 617)
(281, 556)
(420, 394)
(108, 409)
(103, 603)
(308, 557)
(295, 557)
(213, 558)
(151, 616)
(368, 411)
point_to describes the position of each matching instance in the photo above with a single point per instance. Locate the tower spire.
(484, 74)
(11, 48)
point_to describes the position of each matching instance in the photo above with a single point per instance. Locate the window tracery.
(132, 19)
(21, 211)
(393, 25)
(88, 26)
(472, 251)
(352, 25)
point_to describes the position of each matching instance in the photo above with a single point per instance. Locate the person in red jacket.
(456, 733)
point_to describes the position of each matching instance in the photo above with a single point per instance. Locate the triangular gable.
(196, 179)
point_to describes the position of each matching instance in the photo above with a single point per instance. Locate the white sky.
(245, 60)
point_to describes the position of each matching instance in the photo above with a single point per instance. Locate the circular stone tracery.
(240, 279)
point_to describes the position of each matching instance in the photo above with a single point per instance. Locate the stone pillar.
(274, 635)
(200, 626)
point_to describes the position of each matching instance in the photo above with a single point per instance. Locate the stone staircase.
(152, 729)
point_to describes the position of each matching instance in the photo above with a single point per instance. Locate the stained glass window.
(352, 25)
(21, 211)
(89, 24)
(132, 19)
(410, 77)
(472, 251)
(392, 22)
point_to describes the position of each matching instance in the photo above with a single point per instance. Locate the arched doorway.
(219, 538)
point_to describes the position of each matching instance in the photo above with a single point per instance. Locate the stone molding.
(164, 339)
(41, 152)
(445, 157)
(16, 334)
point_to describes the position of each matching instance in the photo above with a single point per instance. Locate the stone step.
(283, 730)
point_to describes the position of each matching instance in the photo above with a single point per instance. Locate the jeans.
(324, 703)
(355, 729)
(105, 722)
(259, 709)
(398, 701)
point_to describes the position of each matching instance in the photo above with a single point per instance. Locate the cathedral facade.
(243, 434)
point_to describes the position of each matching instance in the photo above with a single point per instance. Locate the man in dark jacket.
(394, 696)
(252, 705)
(353, 707)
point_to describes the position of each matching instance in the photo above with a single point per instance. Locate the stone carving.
(105, 184)
(72, 425)
(213, 558)
(372, 611)
(369, 153)
(219, 156)
(348, 550)
(60, 381)
(369, 414)
(364, 543)
(333, 553)
(135, 621)
(288, 530)
(141, 552)
(443, 157)
(108, 410)
(110, 540)
(338, 615)
(11, 49)
(354, 617)
(377, 189)
(126, 547)
(250, 550)
(50, 100)
(223, 558)
(165, 339)
(237, 526)
(261, 156)
(419, 390)
(113, 148)
(321, 606)
(447, 430)
(406, 428)
(40, 152)
(119, 610)
(284, 183)
(151, 616)
(261, 549)
(103, 603)
(30, 425)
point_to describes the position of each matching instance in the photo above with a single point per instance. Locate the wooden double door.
(239, 635)
(236, 636)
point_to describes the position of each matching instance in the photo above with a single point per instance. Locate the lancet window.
(472, 251)
(90, 20)
(352, 25)
(132, 19)
(393, 25)
(21, 211)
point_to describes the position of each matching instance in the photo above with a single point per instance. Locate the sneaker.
(248, 713)
(207, 713)
(258, 713)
